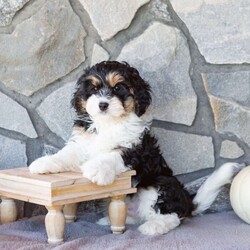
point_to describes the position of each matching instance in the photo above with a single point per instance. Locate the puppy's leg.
(103, 169)
(156, 223)
(69, 158)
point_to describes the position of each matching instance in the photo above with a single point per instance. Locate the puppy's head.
(111, 89)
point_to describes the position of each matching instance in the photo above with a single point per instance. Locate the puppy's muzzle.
(103, 106)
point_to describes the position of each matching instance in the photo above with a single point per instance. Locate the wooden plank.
(25, 198)
(88, 189)
(23, 175)
(61, 188)
(65, 200)
(94, 197)
(48, 180)
(24, 189)
(76, 177)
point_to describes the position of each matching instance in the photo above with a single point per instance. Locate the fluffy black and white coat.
(111, 136)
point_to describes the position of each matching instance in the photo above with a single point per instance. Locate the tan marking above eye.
(95, 81)
(113, 78)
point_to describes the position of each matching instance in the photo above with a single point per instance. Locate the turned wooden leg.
(69, 212)
(117, 214)
(8, 210)
(55, 223)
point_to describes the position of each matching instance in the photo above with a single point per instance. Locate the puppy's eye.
(94, 89)
(117, 88)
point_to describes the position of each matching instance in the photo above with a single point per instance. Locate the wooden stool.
(60, 193)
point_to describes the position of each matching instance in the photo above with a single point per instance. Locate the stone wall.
(195, 54)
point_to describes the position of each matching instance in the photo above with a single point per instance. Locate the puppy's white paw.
(99, 172)
(161, 225)
(43, 165)
(153, 227)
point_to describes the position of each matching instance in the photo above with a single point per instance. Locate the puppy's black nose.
(103, 106)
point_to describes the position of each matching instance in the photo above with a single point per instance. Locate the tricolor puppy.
(111, 136)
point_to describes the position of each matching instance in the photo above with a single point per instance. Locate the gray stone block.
(57, 112)
(234, 86)
(231, 118)
(159, 9)
(161, 55)
(42, 48)
(230, 104)
(110, 17)
(8, 10)
(220, 28)
(185, 153)
(99, 54)
(231, 150)
(14, 117)
(12, 153)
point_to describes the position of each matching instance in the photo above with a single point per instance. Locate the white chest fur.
(107, 135)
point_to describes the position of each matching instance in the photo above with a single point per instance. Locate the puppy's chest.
(110, 138)
(105, 142)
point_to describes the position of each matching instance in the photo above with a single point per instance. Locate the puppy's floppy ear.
(142, 91)
(142, 98)
(78, 102)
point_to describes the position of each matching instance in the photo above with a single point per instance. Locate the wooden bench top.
(59, 189)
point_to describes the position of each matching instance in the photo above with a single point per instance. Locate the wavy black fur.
(152, 170)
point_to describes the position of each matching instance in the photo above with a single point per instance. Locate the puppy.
(110, 136)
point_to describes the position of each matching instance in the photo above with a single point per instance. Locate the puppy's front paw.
(43, 165)
(99, 172)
